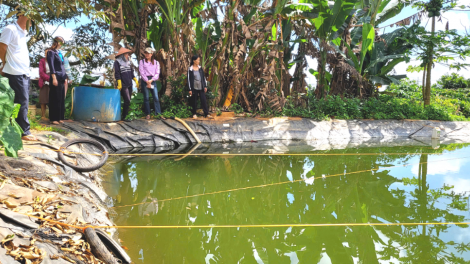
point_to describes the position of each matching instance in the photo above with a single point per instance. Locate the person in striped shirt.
(124, 75)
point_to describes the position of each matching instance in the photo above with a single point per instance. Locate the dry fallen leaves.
(9, 204)
(48, 207)
(12, 195)
(29, 254)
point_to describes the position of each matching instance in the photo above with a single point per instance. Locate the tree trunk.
(141, 37)
(286, 82)
(424, 82)
(423, 187)
(321, 70)
(374, 14)
(169, 73)
(298, 84)
(427, 98)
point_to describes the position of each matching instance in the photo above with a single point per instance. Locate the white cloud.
(463, 235)
(437, 71)
(457, 20)
(462, 2)
(62, 31)
(460, 185)
(441, 168)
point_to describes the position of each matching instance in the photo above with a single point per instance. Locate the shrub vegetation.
(453, 81)
(401, 101)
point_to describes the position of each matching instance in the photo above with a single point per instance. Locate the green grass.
(36, 126)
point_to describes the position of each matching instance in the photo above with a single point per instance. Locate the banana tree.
(158, 31)
(358, 49)
(372, 13)
(378, 11)
(329, 21)
(385, 55)
(203, 40)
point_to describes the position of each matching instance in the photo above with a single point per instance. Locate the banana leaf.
(345, 25)
(368, 37)
(10, 131)
(389, 11)
(329, 20)
(88, 79)
(6, 103)
(10, 138)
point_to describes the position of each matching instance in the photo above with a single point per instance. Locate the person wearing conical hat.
(124, 76)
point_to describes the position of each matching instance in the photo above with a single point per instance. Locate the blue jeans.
(156, 102)
(20, 84)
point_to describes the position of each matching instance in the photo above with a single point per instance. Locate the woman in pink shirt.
(149, 70)
(44, 85)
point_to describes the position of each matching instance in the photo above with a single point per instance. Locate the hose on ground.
(98, 145)
(71, 111)
(189, 129)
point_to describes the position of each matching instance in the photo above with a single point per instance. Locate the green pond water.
(421, 185)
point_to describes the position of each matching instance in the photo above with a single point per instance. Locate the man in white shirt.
(14, 55)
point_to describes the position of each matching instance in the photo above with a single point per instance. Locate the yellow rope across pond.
(278, 225)
(245, 226)
(82, 228)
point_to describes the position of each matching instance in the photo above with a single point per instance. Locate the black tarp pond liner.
(166, 135)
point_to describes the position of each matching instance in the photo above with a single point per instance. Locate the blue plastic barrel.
(95, 104)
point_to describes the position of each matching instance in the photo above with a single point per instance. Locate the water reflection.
(396, 195)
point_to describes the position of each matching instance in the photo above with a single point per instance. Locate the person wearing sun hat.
(58, 77)
(124, 75)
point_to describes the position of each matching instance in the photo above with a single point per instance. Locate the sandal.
(29, 138)
(147, 117)
(210, 117)
(194, 116)
(55, 123)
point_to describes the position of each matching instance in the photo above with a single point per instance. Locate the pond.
(359, 187)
